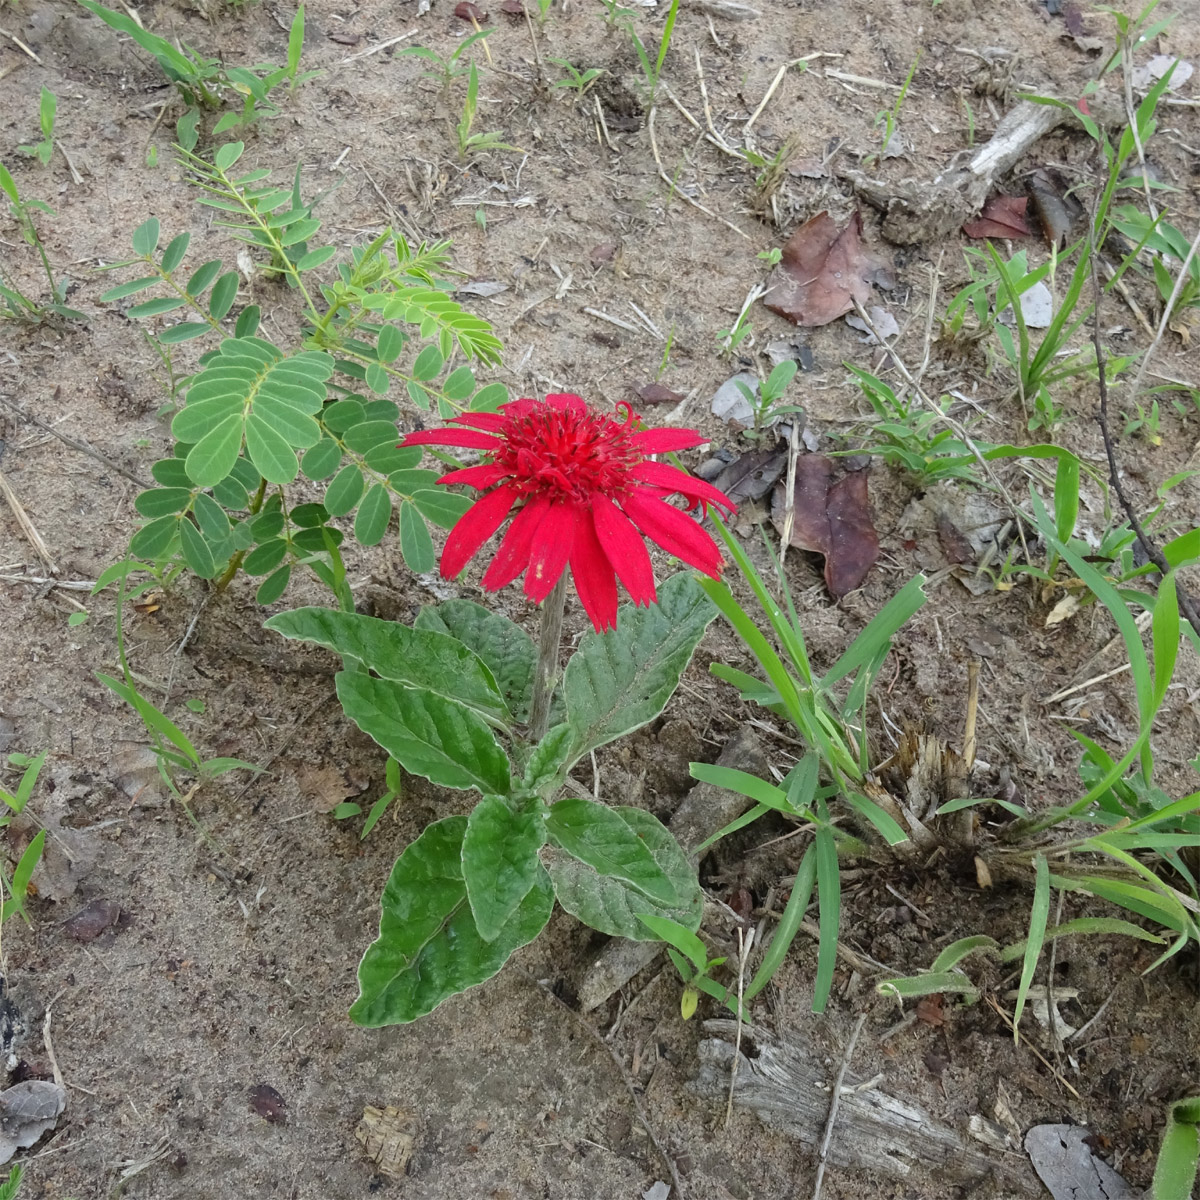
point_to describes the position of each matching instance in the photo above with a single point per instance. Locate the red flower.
(588, 492)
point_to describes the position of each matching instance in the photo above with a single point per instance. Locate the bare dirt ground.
(233, 963)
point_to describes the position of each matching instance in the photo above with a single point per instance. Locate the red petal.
(513, 556)
(671, 479)
(677, 534)
(482, 476)
(491, 422)
(474, 528)
(624, 549)
(567, 401)
(661, 441)
(594, 578)
(551, 550)
(470, 439)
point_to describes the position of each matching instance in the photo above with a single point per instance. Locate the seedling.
(579, 80)
(766, 401)
(395, 789)
(14, 304)
(889, 118)
(205, 84)
(911, 437)
(476, 143)
(690, 956)
(652, 67)
(449, 68)
(44, 150)
(18, 886)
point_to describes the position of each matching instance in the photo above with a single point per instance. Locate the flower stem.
(546, 673)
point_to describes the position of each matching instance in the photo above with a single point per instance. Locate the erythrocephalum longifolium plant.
(828, 781)
(463, 698)
(206, 84)
(258, 417)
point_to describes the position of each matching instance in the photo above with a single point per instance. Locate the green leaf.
(421, 658)
(224, 293)
(154, 719)
(390, 344)
(683, 939)
(415, 543)
(346, 490)
(274, 586)
(618, 681)
(440, 506)
(1038, 916)
(426, 733)
(196, 551)
(377, 379)
(608, 904)
(264, 558)
(173, 254)
(829, 913)
(543, 772)
(428, 364)
(429, 947)
(504, 646)
(1175, 1170)
(154, 539)
(185, 331)
(250, 389)
(374, 514)
(128, 289)
(321, 460)
(314, 258)
(145, 236)
(211, 518)
(203, 276)
(155, 308)
(596, 835)
(160, 502)
(500, 862)
(227, 155)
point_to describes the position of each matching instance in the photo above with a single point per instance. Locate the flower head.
(584, 491)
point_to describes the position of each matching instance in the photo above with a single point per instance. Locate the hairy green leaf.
(500, 861)
(609, 905)
(429, 947)
(427, 734)
(419, 657)
(618, 681)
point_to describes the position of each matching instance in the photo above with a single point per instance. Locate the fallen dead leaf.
(822, 272)
(514, 8)
(1000, 217)
(954, 545)
(326, 786)
(268, 1104)
(832, 518)
(469, 12)
(28, 1110)
(931, 1010)
(656, 393)
(883, 321)
(751, 476)
(1067, 607)
(808, 168)
(729, 401)
(90, 922)
(1066, 1165)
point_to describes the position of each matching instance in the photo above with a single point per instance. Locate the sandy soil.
(233, 963)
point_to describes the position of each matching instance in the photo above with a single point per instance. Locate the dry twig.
(834, 1102)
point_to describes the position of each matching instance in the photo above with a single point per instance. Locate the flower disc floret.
(583, 491)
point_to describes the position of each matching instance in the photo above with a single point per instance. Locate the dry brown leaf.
(751, 476)
(1000, 217)
(931, 1010)
(469, 12)
(514, 8)
(832, 518)
(656, 393)
(822, 272)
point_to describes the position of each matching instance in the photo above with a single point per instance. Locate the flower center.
(570, 452)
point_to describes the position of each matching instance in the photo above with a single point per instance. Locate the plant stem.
(546, 672)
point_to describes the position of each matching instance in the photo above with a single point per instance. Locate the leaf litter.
(833, 518)
(822, 273)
